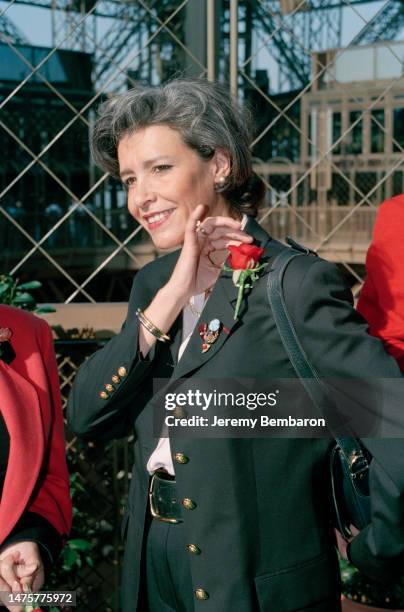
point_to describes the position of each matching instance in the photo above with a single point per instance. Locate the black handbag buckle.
(358, 465)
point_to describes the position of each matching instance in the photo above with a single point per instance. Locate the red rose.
(244, 256)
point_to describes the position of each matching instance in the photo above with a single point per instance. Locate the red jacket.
(381, 301)
(36, 479)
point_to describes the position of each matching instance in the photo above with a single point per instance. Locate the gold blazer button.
(201, 594)
(181, 458)
(104, 395)
(194, 549)
(179, 412)
(189, 504)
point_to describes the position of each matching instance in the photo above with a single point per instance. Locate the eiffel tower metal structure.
(167, 39)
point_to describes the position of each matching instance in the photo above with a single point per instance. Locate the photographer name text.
(251, 423)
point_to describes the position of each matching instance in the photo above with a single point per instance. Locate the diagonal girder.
(9, 31)
(72, 195)
(385, 24)
(287, 53)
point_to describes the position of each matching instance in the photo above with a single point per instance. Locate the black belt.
(164, 505)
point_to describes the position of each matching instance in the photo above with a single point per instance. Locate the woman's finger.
(33, 578)
(4, 589)
(28, 574)
(8, 569)
(210, 223)
(28, 569)
(207, 248)
(191, 234)
(219, 234)
(4, 592)
(26, 584)
(219, 245)
(196, 216)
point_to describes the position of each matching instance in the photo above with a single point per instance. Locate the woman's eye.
(161, 168)
(129, 182)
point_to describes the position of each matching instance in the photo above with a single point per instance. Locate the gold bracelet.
(153, 329)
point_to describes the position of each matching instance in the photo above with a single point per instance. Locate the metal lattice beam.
(9, 31)
(385, 25)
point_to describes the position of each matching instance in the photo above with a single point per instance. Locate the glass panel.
(376, 131)
(339, 193)
(382, 61)
(336, 131)
(398, 129)
(398, 183)
(354, 137)
(71, 70)
(365, 182)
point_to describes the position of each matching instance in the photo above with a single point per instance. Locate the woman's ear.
(221, 164)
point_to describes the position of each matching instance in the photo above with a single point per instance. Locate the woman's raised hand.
(195, 270)
(20, 568)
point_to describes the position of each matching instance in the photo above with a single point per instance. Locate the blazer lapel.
(21, 411)
(219, 306)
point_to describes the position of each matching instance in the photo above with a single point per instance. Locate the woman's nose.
(143, 195)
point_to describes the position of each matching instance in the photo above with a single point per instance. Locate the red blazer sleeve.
(52, 498)
(381, 301)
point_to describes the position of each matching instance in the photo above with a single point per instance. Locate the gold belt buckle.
(153, 510)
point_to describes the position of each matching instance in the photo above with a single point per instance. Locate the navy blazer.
(262, 512)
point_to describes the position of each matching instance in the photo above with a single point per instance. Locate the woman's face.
(166, 180)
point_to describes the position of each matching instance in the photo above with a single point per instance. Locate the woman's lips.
(158, 219)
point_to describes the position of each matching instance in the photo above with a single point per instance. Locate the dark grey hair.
(207, 119)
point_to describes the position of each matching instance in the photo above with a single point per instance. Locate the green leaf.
(69, 557)
(30, 285)
(24, 298)
(45, 308)
(4, 287)
(76, 486)
(79, 544)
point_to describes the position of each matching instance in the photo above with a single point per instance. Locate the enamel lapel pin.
(209, 332)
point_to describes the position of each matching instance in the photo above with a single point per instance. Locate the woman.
(381, 301)
(233, 524)
(35, 507)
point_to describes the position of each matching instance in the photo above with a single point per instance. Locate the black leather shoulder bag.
(349, 460)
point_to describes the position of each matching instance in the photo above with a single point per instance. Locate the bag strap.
(309, 377)
(276, 298)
